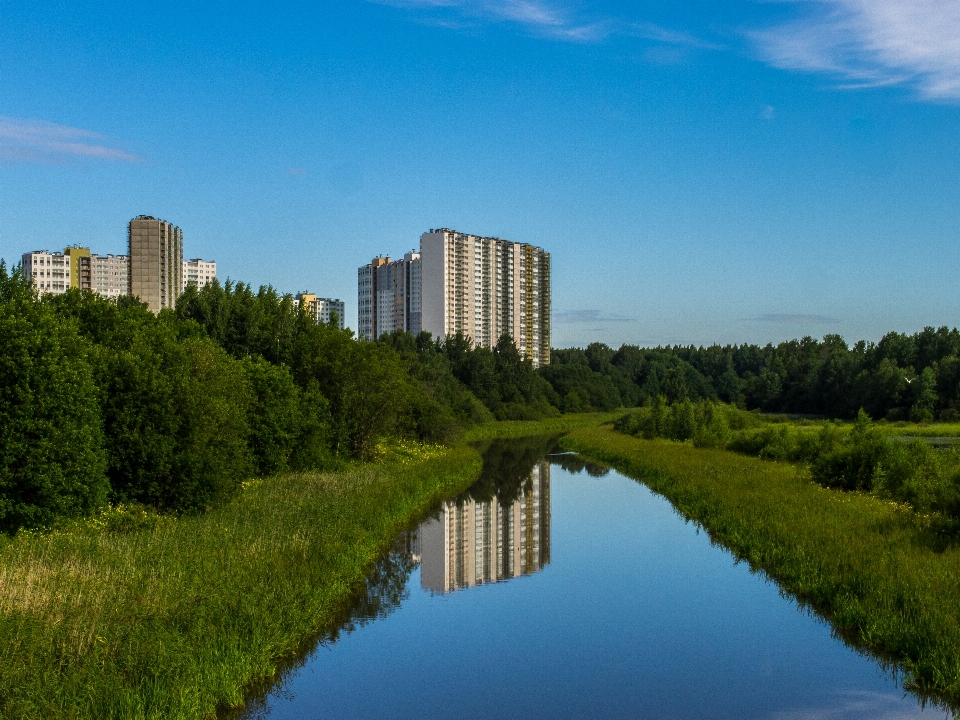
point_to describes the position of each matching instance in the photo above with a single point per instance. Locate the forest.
(901, 377)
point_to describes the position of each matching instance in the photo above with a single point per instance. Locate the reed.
(885, 576)
(138, 615)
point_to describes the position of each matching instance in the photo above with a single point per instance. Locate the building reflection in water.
(477, 541)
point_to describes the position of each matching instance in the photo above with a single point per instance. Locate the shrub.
(853, 462)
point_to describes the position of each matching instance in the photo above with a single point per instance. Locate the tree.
(52, 460)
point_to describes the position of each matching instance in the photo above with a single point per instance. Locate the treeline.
(902, 377)
(103, 401)
(857, 458)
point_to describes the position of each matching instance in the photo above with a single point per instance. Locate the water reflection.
(473, 542)
(575, 464)
(384, 591)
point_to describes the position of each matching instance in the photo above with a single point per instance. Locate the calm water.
(559, 589)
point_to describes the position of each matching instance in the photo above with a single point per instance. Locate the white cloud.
(855, 705)
(39, 140)
(546, 18)
(871, 43)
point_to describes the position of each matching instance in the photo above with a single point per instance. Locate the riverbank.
(885, 576)
(133, 615)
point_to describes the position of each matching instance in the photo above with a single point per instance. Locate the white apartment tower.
(389, 296)
(110, 275)
(484, 288)
(156, 262)
(197, 272)
(323, 310)
(48, 271)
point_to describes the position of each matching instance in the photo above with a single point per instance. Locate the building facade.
(484, 288)
(78, 268)
(110, 275)
(156, 262)
(389, 296)
(50, 272)
(323, 310)
(198, 273)
(473, 542)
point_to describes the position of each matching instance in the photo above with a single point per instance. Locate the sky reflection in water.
(555, 588)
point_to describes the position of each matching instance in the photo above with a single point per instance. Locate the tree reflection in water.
(385, 588)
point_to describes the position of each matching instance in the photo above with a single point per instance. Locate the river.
(556, 588)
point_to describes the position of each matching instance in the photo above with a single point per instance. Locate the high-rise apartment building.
(388, 296)
(110, 275)
(458, 283)
(197, 272)
(80, 276)
(78, 268)
(50, 272)
(323, 310)
(474, 542)
(486, 287)
(156, 262)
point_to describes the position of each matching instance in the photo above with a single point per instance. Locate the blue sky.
(700, 171)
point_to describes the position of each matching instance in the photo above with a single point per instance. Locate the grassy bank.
(526, 428)
(886, 577)
(140, 616)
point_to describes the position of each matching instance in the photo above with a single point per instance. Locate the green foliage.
(52, 459)
(274, 415)
(851, 463)
(703, 422)
(861, 459)
(175, 413)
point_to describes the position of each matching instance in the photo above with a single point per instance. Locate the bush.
(853, 462)
(704, 422)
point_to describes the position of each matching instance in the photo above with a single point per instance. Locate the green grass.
(887, 578)
(132, 615)
(920, 429)
(504, 429)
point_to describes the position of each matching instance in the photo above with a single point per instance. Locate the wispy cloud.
(872, 43)
(590, 316)
(545, 18)
(649, 31)
(782, 319)
(852, 705)
(41, 141)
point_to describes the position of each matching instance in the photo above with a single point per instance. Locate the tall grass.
(134, 615)
(887, 577)
(525, 428)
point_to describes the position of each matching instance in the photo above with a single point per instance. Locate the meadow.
(886, 576)
(529, 428)
(132, 614)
